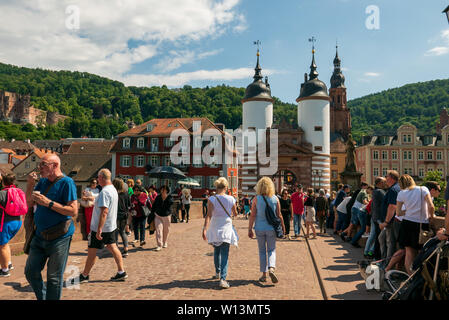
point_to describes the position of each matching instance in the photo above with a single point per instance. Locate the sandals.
(263, 279)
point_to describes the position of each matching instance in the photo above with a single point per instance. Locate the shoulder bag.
(424, 235)
(30, 226)
(273, 220)
(233, 227)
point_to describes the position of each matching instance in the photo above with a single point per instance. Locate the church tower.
(257, 114)
(313, 118)
(340, 117)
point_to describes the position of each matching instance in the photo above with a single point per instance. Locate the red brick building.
(148, 145)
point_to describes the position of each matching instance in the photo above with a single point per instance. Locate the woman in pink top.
(298, 209)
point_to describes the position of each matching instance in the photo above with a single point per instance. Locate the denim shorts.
(10, 229)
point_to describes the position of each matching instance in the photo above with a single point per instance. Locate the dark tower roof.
(313, 87)
(337, 79)
(258, 89)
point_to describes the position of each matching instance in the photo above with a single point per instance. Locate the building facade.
(406, 152)
(148, 145)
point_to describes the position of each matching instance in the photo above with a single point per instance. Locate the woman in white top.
(185, 200)
(419, 209)
(221, 234)
(88, 200)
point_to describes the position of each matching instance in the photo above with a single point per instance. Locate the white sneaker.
(165, 245)
(224, 284)
(158, 249)
(365, 235)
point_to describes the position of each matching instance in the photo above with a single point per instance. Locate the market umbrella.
(189, 182)
(166, 172)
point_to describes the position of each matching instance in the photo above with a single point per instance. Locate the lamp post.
(446, 11)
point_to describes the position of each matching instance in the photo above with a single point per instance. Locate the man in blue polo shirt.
(54, 226)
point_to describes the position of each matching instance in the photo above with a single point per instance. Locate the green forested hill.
(99, 107)
(418, 103)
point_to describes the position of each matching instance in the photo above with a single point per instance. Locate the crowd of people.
(390, 215)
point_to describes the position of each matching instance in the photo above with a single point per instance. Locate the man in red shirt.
(297, 199)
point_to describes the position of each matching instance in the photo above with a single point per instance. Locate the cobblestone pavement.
(184, 271)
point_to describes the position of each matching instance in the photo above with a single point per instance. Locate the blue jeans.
(341, 222)
(371, 242)
(330, 220)
(139, 228)
(297, 223)
(221, 255)
(360, 217)
(56, 253)
(266, 241)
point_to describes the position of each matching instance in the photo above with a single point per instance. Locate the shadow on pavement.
(355, 295)
(206, 284)
(18, 287)
(346, 278)
(344, 267)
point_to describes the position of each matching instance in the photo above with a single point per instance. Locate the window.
(439, 155)
(429, 169)
(421, 172)
(125, 161)
(409, 138)
(405, 155)
(440, 170)
(127, 143)
(154, 161)
(429, 155)
(197, 162)
(214, 141)
(404, 138)
(376, 155)
(33, 158)
(420, 155)
(150, 127)
(334, 174)
(318, 148)
(154, 144)
(140, 161)
(384, 172)
(211, 181)
(334, 160)
(295, 141)
(384, 155)
(184, 161)
(27, 165)
(376, 172)
(168, 142)
(140, 143)
(394, 155)
(198, 142)
(199, 179)
(409, 155)
(153, 182)
(166, 160)
(318, 128)
(394, 169)
(408, 171)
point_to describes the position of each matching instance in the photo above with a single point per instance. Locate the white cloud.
(177, 59)
(371, 74)
(440, 50)
(180, 79)
(114, 34)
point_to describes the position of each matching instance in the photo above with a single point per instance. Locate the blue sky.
(207, 43)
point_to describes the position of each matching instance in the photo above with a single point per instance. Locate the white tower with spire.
(314, 119)
(257, 114)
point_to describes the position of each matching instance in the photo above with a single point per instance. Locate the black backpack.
(273, 219)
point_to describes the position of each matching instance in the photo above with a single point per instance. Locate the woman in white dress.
(218, 229)
(88, 200)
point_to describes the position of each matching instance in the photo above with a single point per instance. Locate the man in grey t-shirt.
(104, 228)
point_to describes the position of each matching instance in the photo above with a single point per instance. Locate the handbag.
(273, 220)
(30, 226)
(424, 235)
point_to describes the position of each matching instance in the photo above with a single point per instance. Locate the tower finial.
(313, 73)
(258, 69)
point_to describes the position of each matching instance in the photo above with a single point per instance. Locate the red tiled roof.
(91, 147)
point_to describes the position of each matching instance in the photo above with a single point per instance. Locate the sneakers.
(81, 279)
(216, 276)
(10, 267)
(4, 274)
(165, 245)
(125, 254)
(119, 277)
(224, 284)
(343, 236)
(142, 243)
(158, 249)
(365, 235)
(263, 279)
(272, 275)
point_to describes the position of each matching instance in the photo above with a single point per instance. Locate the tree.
(437, 177)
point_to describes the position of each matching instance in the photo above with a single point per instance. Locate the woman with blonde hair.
(185, 201)
(265, 233)
(221, 207)
(310, 212)
(416, 206)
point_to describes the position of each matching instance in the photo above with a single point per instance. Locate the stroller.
(430, 277)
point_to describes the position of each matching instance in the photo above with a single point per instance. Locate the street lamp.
(318, 173)
(446, 11)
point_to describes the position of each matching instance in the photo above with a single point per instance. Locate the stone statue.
(350, 155)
